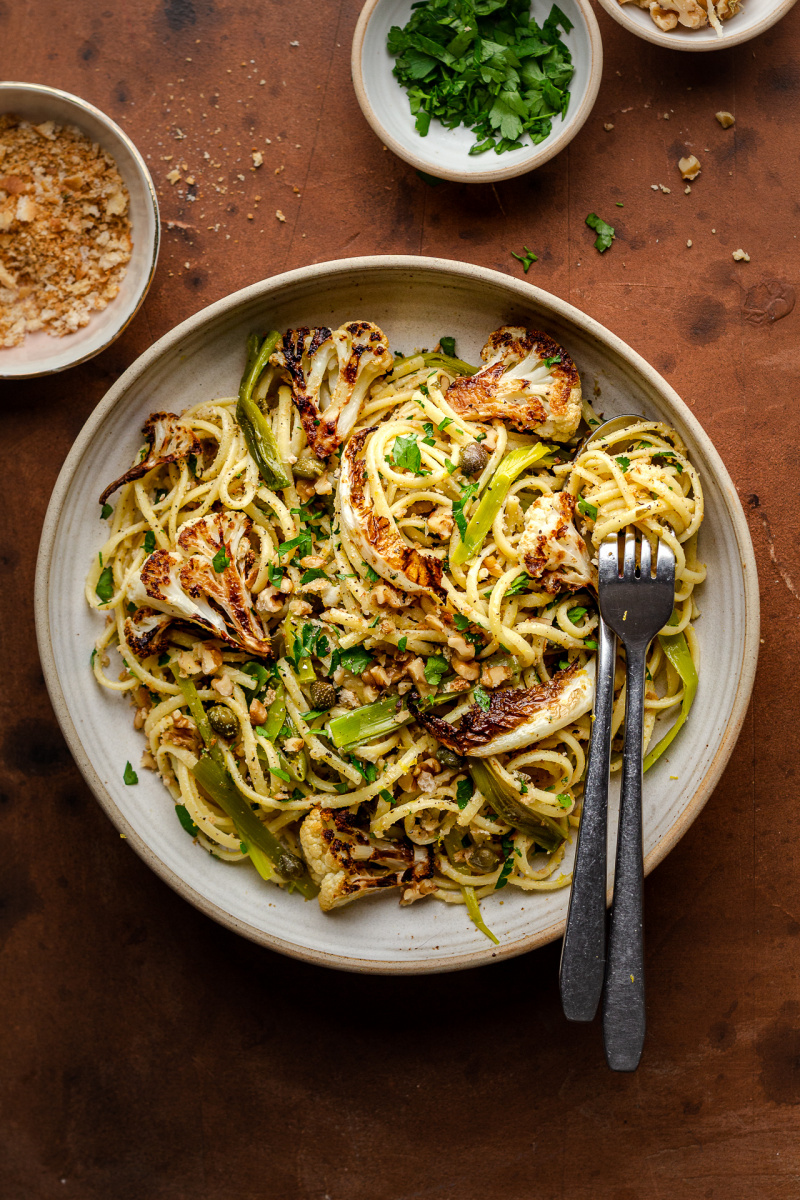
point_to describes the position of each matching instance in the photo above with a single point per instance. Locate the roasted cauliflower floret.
(529, 381)
(330, 373)
(146, 631)
(516, 717)
(553, 551)
(347, 863)
(167, 439)
(204, 582)
(375, 533)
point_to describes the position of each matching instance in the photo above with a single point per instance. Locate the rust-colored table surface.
(148, 1053)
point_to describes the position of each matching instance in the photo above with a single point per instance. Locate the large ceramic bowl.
(754, 18)
(445, 152)
(415, 300)
(41, 354)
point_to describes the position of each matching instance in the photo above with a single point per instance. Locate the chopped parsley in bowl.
(476, 90)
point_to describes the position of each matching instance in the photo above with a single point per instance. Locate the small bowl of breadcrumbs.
(79, 230)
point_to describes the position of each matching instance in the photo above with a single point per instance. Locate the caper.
(308, 466)
(482, 858)
(223, 721)
(323, 695)
(448, 758)
(473, 459)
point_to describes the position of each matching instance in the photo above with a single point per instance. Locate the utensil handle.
(623, 998)
(583, 951)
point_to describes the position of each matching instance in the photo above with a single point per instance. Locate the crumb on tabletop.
(725, 119)
(65, 232)
(740, 256)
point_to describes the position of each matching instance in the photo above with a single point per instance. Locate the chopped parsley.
(575, 614)
(356, 660)
(488, 66)
(163, 660)
(507, 844)
(527, 259)
(588, 510)
(564, 800)
(552, 361)
(464, 791)
(104, 588)
(522, 582)
(129, 775)
(444, 423)
(435, 667)
(458, 508)
(448, 345)
(604, 231)
(105, 512)
(622, 462)
(275, 574)
(406, 454)
(149, 542)
(220, 561)
(367, 770)
(311, 574)
(482, 699)
(401, 645)
(185, 820)
(590, 645)
(302, 543)
(372, 576)
(386, 795)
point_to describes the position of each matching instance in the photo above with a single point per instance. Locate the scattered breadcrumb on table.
(65, 232)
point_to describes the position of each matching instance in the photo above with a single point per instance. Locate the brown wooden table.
(148, 1053)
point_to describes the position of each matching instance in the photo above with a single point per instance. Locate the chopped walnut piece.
(725, 119)
(258, 714)
(222, 685)
(689, 167)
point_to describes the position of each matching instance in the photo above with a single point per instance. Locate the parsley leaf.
(519, 585)
(311, 574)
(105, 512)
(367, 770)
(588, 510)
(590, 645)
(401, 645)
(464, 791)
(482, 699)
(220, 560)
(302, 543)
(443, 424)
(458, 508)
(623, 463)
(527, 259)
(448, 345)
(405, 453)
(104, 588)
(552, 361)
(163, 660)
(564, 801)
(356, 660)
(149, 542)
(372, 576)
(605, 232)
(129, 775)
(435, 667)
(185, 820)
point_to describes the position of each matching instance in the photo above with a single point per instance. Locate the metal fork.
(635, 603)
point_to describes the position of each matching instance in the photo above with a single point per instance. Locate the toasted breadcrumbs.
(65, 233)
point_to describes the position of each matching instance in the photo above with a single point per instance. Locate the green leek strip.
(256, 429)
(216, 781)
(366, 723)
(304, 671)
(492, 499)
(508, 805)
(212, 775)
(676, 649)
(276, 714)
(192, 698)
(453, 366)
(474, 911)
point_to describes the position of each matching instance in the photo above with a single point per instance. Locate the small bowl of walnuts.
(79, 230)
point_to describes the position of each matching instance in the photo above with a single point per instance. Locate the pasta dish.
(355, 609)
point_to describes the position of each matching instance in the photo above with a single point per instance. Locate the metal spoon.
(583, 952)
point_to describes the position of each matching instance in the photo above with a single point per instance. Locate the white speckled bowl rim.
(37, 102)
(426, 154)
(374, 935)
(756, 17)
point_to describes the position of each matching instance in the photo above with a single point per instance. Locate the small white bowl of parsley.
(476, 90)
